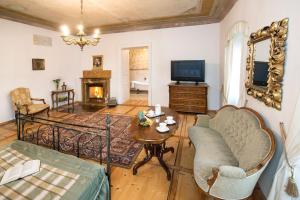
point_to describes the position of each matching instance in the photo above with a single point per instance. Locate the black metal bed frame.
(57, 126)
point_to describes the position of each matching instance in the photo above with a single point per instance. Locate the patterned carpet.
(124, 149)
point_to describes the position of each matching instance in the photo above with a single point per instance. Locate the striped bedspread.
(48, 182)
(52, 181)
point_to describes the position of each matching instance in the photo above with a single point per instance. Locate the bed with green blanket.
(61, 176)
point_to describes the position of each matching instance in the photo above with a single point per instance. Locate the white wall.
(16, 53)
(139, 75)
(260, 13)
(125, 83)
(193, 42)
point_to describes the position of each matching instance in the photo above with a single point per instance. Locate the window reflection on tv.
(260, 77)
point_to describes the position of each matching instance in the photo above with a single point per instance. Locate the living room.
(28, 34)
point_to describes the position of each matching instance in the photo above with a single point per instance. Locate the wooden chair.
(23, 103)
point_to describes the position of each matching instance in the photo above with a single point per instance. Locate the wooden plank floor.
(137, 100)
(150, 183)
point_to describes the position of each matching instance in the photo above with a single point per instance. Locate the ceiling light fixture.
(79, 39)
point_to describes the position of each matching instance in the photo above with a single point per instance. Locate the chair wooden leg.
(48, 109)
(16, 117)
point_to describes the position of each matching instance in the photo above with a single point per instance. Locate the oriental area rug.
(123, 152)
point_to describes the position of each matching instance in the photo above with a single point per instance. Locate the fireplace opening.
(96, 92)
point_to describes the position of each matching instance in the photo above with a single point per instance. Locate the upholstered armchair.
(23, 103)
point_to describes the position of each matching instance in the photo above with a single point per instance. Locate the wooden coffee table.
(154, 142)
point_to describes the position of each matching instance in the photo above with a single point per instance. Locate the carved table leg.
(167, 149)
(160, 155)
(148, 148)
(157, 150)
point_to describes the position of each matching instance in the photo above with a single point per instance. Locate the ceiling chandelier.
(79, 39)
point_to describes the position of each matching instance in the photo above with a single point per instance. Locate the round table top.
(149, 135)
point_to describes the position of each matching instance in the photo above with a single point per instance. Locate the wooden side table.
(153, 141)
(55, 97)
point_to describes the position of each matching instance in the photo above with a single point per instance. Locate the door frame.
(137, 45)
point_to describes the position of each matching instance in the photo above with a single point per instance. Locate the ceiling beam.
(157, 23)
(27, 19)
(221, 8)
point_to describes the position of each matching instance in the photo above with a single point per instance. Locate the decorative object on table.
(38, 64)
(152, 114)
(170, 120)
(157, 109)
(112, 102)
(59, 96)
(56, 82)
(291, 187)
(162, 128)
(79, 39)
(64, 86)
(143, 120)
(98, 62)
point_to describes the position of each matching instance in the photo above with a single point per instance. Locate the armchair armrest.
(226, 171)
(202, 120)
(37, 99)
(232, 183)
(232, 172)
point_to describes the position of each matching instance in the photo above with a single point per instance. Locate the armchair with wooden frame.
(23, 103)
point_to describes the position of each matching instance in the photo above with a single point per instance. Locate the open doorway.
(138, 76)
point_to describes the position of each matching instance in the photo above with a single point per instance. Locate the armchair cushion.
(202, 120)
(232, 171)
(33, 108)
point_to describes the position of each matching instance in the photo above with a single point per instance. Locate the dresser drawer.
(188, 90)
(186, 108)
(187, 96)
(187, 102)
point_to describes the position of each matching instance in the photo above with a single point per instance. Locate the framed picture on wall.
(38, 64)
(98, 62)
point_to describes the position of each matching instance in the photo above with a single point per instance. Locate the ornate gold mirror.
(265, 63)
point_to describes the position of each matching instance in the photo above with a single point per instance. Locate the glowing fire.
(96, 92)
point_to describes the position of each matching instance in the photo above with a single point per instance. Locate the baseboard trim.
(6, 122)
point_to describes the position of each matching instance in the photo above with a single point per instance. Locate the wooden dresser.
(188, 97)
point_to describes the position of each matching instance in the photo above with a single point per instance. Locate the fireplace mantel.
(92, 79)
(97, 74)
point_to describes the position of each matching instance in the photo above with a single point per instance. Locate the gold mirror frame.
(277, 32)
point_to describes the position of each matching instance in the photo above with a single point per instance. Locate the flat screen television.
(261, 71)
(188, 70)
